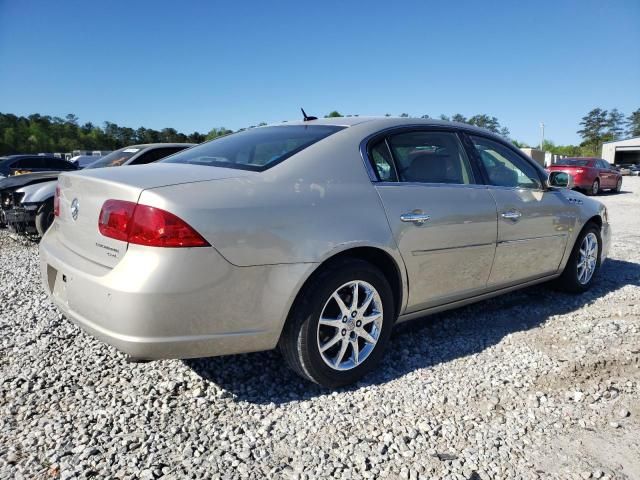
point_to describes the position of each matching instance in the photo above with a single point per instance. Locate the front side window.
(430, 157)
(503, 166)
(256, 149)
(32, 162)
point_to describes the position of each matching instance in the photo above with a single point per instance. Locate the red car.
(590, 174)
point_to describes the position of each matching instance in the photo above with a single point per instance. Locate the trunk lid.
(82, 195)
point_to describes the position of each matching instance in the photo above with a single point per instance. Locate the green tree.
(404, 115)
(594, 130)
(615, 124)
(633, 124)
(459, 118)
(334, 114)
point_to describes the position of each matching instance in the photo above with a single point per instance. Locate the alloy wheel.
(350, 325)
(588, 258)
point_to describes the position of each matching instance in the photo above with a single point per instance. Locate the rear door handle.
(511, 215)
(415, 218)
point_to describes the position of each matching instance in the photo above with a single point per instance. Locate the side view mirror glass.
(560, 180)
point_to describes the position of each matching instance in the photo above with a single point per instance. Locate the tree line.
(42, 133)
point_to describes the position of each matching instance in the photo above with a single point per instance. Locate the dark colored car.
(590, 174)
(20, 164)
(30, 210)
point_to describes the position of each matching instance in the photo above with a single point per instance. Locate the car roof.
(374, 124)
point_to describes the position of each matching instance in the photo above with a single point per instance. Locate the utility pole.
(541, 135)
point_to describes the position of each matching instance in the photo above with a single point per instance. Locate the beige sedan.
(315, 237)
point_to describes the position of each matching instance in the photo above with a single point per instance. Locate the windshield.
(568, 162)
(255, 149)
(115, 159)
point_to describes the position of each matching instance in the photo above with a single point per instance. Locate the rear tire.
(44, 217)
(573, 278)
(595, 188)
(350, 340)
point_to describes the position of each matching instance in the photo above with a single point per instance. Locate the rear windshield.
(255, 149)
(567, 162)
(115, 159)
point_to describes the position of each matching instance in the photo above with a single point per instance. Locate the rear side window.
(255, 149)
(382, 163)
(430, 157)
(115, 159)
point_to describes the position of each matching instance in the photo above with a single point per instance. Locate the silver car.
(315, 237)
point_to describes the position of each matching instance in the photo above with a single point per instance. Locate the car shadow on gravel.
(263, 378)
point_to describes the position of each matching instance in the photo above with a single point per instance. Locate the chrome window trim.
(478, 186)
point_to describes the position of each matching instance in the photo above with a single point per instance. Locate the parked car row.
(315, 237)
(27, 200)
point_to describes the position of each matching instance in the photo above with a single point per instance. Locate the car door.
(444, 223)
(533, 221)
(611, 173)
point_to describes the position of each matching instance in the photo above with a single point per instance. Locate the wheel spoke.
(343, 308)
(366, 336)
(367, 302)
(343, 349)
(354, 302)
(331, 322)
(356, 351)
(335, 339)
(370, 318)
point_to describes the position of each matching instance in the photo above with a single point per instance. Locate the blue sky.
(195, 65)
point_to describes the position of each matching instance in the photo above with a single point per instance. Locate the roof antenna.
(306, 117)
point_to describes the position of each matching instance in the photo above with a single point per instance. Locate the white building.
(622, 151)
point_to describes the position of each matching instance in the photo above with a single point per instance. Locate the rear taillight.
(579, 170)
(145, 225)
(56, 202)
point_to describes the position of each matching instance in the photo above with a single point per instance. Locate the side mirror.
(560, 180)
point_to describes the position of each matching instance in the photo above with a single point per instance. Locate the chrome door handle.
(415, 218)
(511, 215)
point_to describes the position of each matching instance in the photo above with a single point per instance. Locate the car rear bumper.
(171, 302)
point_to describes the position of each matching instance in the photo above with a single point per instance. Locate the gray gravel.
(534, 384)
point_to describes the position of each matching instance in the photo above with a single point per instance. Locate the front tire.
(340, 324)
(584, 262)
(595, 188)
(44, 217)
(618, 188)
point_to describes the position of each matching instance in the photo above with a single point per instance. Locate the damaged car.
(30, 209)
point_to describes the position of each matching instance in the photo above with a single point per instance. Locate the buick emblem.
(75, 208)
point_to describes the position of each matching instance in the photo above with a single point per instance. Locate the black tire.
(299, 340)
(44, 217)
(618, 188)
(568, 281)
(595, 188)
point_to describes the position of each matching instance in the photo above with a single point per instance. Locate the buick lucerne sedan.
(315, 237)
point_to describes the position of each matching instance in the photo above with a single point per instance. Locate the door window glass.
(504, 167)
(430, 157)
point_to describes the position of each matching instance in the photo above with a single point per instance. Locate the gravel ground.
(533, 384)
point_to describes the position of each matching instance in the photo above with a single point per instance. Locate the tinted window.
(155, 155)
(255, 149)
(568, 162)
(60, 164)
(115, 159)
(32, 162)
(504, 167)
(382, 163)
(430, 157)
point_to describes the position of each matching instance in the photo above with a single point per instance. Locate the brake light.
(579, 170)
(56, 202)
(145, 225)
